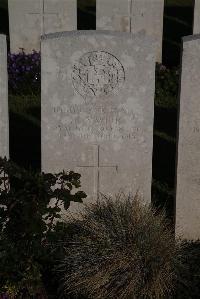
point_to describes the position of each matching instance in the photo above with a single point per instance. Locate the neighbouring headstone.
(188, 167)
(196, 27)
(113, 15)
(148, 15)
(133, 16)
(29, 19)
(4, 139)
(97, 109)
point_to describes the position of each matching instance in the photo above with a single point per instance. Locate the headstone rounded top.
(77, 33)
(189, 38)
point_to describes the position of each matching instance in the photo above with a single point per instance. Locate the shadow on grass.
(25, 144)
(25, 131)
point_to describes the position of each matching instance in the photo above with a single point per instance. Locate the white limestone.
(147, 15)
(4, 138)
(196, 28)
(133, 16)
(188, 169)
(97, 109)
(113, 15)
(29, 19)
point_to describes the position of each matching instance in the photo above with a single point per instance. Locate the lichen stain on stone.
(105, 23)
(124, 24)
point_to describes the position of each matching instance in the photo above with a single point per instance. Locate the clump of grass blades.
(120, 249)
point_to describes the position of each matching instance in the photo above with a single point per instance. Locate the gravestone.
(29, 19)
(196, 28)
(97, 109)
(188, 168)
(113, 15)
(133, 16)
(147, 15)
(4, 141)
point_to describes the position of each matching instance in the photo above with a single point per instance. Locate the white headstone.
(188, 168)
(29, 19)
(4, 139)
(132, 16)
(147, 15)
(196, 28)
(113, 15)
(97, 109)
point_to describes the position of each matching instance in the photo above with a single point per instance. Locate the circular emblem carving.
(97, 74)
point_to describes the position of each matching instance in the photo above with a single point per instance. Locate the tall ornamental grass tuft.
(120, 249)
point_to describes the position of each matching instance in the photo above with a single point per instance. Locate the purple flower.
(24, 73)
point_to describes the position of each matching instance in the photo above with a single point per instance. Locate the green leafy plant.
(30, 208)
(120, 249)
(167, 83)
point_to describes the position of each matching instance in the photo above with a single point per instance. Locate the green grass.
(25, 131)
(167, 102)
(26, 106)
(165, 136)
(4, 4)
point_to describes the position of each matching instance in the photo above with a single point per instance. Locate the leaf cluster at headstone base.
(28, 224)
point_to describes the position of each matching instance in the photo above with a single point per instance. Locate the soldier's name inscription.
(96, 122)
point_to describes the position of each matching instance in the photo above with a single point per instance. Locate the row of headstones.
(30, 19)
(97, 115)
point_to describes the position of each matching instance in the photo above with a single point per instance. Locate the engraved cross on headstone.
(97, 168)
(42, 15)
(130, 14)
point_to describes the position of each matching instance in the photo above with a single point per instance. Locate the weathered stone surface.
(97, 109)
(29, 19)
(113, 15)
(133, 16)
(147, 15)
(196, 28)
(4, 140)
(188, 168)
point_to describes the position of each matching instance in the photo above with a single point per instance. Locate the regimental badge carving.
(98, 74)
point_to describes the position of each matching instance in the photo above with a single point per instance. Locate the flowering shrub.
(24, 73)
